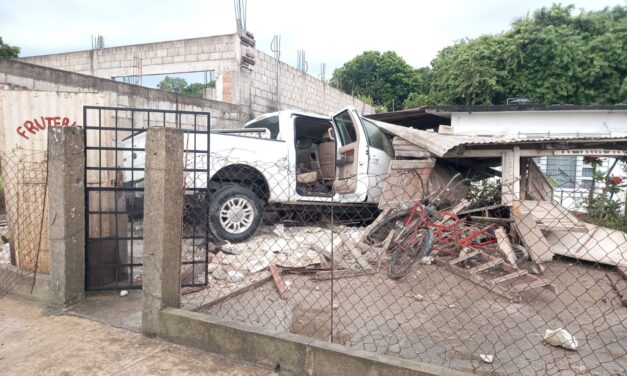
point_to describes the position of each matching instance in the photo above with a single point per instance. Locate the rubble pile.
(293, 248)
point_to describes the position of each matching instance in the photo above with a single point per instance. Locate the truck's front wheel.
(235, 213)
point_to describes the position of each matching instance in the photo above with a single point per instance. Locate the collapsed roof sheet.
(443, 144)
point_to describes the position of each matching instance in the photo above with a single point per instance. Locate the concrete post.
(66, 214)
(163, 210)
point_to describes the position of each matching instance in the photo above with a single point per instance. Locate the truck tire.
(235, 213)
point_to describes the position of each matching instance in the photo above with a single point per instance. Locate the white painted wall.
(527, 124)
(536, 124)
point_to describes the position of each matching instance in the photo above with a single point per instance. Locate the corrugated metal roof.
(441, 144)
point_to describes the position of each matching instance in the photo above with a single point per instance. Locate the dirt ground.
(436, 317)
(34, 341)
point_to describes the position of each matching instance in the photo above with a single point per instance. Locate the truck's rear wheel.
(235, 213)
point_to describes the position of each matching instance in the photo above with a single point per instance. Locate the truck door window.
(376, 137)
(271, 123)
(346, 128)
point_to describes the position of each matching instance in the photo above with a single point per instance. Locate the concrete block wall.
(265, 87)
(17, 75)
(296, 89)
(219, 53)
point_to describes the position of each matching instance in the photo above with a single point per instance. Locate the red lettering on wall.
(41, 124)
(30, 127)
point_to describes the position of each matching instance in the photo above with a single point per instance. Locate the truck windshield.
(271, 123)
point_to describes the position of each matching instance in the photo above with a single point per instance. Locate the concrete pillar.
(510, 176)
(163, 210)
(66, 214)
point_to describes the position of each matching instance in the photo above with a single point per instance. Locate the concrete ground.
(435, 317)
(34, 341)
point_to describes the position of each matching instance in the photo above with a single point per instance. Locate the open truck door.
(351, 180)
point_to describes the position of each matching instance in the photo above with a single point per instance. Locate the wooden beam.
(486, 153)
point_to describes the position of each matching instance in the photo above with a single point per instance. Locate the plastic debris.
(561, 338)
(123, 293)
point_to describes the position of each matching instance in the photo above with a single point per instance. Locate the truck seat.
(307, 177)
(326, 158)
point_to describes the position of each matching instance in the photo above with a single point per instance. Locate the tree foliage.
(7, 51)
(180, 86)
(553, 56)
(384, 77)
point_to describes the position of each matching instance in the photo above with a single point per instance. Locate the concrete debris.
(219, 274)
(296, 248)
(279, 230)
(211, 268)
(234, 276)
(579, 370)
(487, 358)
(561, 338)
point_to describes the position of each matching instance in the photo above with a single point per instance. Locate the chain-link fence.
(23, 216)
(431, 262)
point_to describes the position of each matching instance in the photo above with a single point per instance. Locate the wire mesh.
(430, 263)
(23, 216)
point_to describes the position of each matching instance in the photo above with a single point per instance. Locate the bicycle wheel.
(405, 253)
(380, 232)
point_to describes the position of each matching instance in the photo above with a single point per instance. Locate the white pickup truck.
(284, 158)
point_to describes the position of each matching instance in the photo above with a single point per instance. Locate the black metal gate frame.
(196, 236)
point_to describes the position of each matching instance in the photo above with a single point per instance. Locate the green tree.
(553, 57)
(179, 85)
(173, 84)
(7, 51)
(384, 77)
(196, 89)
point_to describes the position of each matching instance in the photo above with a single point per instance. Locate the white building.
(572, 176)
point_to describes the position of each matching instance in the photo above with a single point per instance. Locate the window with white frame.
(563, 170)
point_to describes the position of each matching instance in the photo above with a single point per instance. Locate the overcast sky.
(330, 31)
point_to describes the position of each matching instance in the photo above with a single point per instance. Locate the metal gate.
(114, 188)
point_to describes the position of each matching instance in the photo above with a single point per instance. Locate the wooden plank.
(477, 280)
(278, 281)
(512, 275)
(213, 295)
(530, 285)
(347, 273)
(532, 237)
(540, 188)
(491, 219)
(505, 246)
(552, 216)
(487, 265)
(464, 257)
(412, 164)
(411, 153)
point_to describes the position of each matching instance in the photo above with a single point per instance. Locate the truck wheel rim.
(236, 215)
